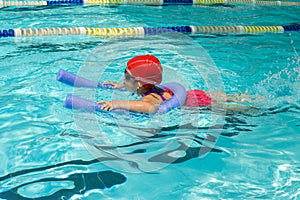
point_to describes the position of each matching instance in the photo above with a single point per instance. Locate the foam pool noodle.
(77, 81)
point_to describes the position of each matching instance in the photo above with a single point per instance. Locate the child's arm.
(142, 106)
(148, 104)
(114, 84)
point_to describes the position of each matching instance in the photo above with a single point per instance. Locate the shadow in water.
(235, 123)
(80, 183)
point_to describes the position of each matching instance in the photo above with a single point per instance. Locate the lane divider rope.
(141, 31)
(6, 3)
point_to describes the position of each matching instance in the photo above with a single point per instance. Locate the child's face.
(129, 82)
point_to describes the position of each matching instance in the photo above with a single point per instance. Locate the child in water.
(141, 76)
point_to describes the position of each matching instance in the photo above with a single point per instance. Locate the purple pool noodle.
(177, 100)
(74, 80)
(77, 103)
(77, 81)
(74, 102)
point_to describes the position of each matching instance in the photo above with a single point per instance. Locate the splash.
(281, 88)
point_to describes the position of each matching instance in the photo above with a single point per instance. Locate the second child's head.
(142, 73)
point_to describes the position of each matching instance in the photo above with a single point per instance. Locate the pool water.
(50, 152)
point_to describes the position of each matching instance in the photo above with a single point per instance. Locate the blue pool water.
(50, 152)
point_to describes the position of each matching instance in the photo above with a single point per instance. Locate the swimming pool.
(49, 152)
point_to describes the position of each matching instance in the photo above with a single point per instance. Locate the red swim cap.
(146, 69)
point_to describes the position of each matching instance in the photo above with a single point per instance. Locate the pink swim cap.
(146, 69)
(197, 98)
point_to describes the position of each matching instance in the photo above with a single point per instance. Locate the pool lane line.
(141, 31)
(7, 3)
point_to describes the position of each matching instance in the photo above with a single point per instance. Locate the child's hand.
(106, 105)
(114, 84)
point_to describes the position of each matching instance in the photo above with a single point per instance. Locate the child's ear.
(140, 90)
